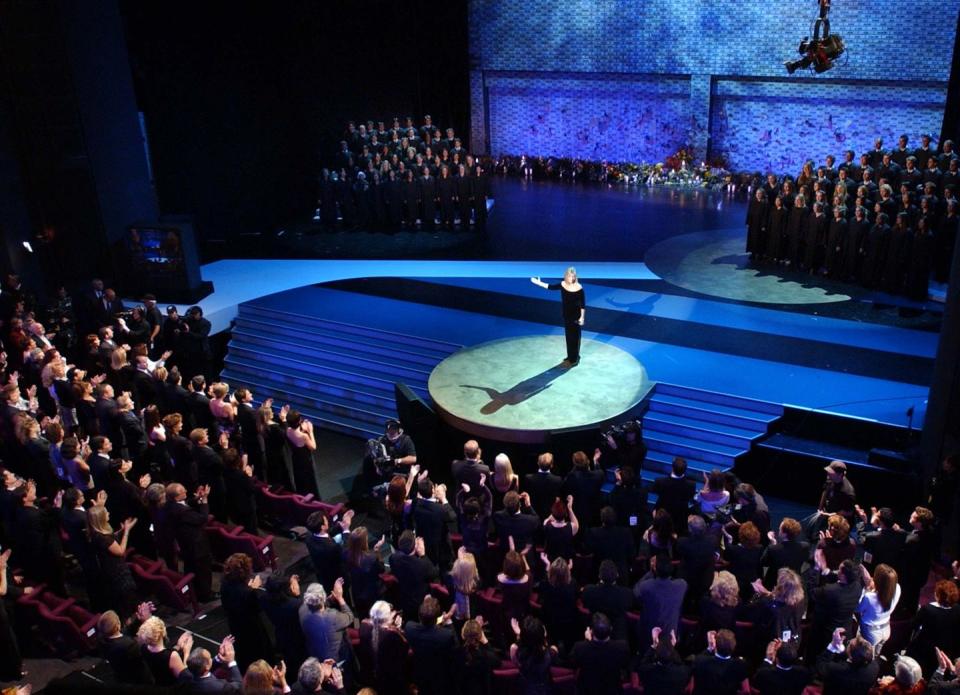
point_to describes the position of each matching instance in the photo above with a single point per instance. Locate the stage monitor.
(162, 259)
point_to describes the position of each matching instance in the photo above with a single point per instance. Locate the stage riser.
(722, 399)
(315, 358)
(312, 324)
(299, 385)
(698, 412)
(651, 423)
(341, 376)
(332, 342)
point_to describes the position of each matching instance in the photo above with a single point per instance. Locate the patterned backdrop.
(634, 80)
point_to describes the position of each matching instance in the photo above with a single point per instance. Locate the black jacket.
(543, 489)
(675, 496)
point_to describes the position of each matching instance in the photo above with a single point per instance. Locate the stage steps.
(709, 429)
(339, 375)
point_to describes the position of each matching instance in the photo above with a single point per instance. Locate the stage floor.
(518, 390)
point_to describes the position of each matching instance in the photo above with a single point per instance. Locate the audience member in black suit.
(241, 490)
(698, 554)
(413, 571)
(325, 553)
(99, 460)
(175, 397)
(717, 671)
(121, 650)
(210, 471)
(37, 538)
(249, 436)
(838, 496)
(629, 500)
(187, 521)
(882, 543)
(781, 671)
(280, 603)
(584, 483)
(786, 549)
(675, 493)
(469, 469)
(850, 671)
(914, 563)
(199, 675)
(432, 640)
(131, 430)
(108, 416)
(180, 451)
(240, 591)
(612, 542)
(143, 383)
(432, 516)
(195, 351)
(544, 486)
(834, 602)
(660, 669)
(608, 598)
(516, 520)
(601, 659)
(200, 403)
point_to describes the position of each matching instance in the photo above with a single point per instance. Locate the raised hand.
(294, 584)
(185, 643)
(712, 641)
(483, 479)
(256, 581)
(101, 499)
(515, 626)
(128, 524)
(227, 653)
(145, 610)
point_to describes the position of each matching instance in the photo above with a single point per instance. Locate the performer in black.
(574, 311)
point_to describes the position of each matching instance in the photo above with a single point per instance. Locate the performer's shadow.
(518, 393)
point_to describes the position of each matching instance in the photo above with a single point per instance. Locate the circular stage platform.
(517, 390)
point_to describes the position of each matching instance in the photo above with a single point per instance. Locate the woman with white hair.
(382, 651)
(574, 311)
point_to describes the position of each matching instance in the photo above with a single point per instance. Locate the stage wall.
(635, 80)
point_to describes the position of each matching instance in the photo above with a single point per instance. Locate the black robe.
(815, 238)
(796, 227)
(872, 257)
(757, 214)
(777, 233)
(918, 265)
(836, 247)
(857, 231)
(428, 198)
(894, 261)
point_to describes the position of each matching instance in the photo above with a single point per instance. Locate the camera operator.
(625, 443)
(392, 451)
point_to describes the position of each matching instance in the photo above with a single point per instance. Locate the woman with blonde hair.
(119, 591)
(879, 599)
(164, 663)
(464, 580)
(503, 479)
(223, 410)
(263, 679)
(574, 311)
(778, 613)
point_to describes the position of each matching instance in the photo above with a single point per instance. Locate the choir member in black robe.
(857, 230)
(873, 249)
(777, 231)
(890, 171)
(481, 185)
(464, 193)
(918, 263)
(378, 201)
(771, 188)
(836, 242)
(411, 201)
(344, 193)
(757, 215)
(945, 242)
(428, 198)
(875, 156)
(911, 175)
(888, 206)
(327, 200)
(393, 192)
(446, 192)
(796, 226)
(906, 205)
(901, 151)
(815, 239)
(895, 258)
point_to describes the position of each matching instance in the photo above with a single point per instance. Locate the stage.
(518, 390)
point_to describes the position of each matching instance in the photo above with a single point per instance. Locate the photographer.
(625, 443)
(392, 451)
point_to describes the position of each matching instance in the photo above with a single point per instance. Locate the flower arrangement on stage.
(679, 169)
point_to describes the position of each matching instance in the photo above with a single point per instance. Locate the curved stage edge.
(517, 389)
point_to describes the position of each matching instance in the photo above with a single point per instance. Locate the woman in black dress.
(302, 445)
(757, 215)
(574, 311)
(240, 593)
(120, 591)
(777, 231)
(560, 529)
(272, 432)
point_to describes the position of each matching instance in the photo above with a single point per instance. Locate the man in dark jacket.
(325, 553)
(469, 469)
(786, 549)
(698, 556)
(780, 673)
(432, 516)
(432, 640)
(187, 522)
(601, 659)
(609, 599)
(122, 651)
(413, 571)
(543, 486)
(612, 542)
(717, 671)
(675, 493)
(850, 671)
(516, 519)
(835, 599)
